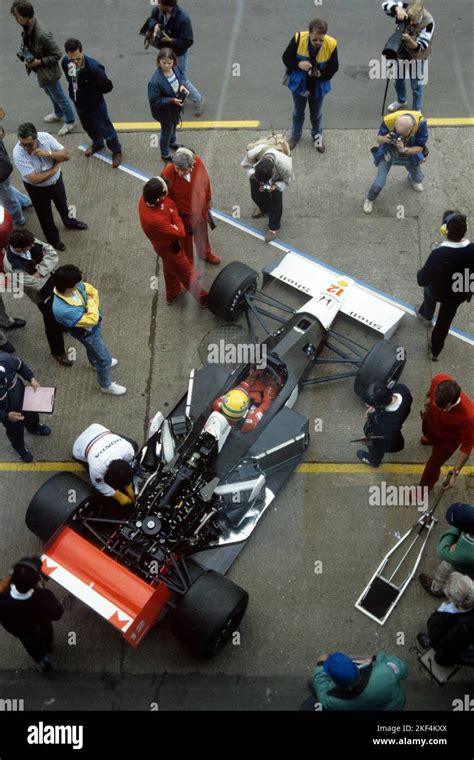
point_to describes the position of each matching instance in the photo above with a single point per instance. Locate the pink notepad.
(41, 400)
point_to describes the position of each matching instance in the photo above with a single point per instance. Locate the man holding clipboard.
(12, 390)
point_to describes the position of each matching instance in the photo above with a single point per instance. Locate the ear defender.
(444, 227)
(444, 230)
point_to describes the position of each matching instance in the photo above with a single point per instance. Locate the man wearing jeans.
(38, 157)
(42, 55)
(170, 26)
(415, 48)
(76, 307)
(88, 83)
(447, 277)
(402, 142)
(311, 62)
(10, 197)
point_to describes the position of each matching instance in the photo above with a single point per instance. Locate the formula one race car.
(202, 479)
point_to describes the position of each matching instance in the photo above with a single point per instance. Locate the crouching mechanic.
(249, 400)
(107, 457)
(385, 417)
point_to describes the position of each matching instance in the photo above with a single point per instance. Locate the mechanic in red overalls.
(164, 228)
(260, 392)
(190, 188)
(448, 423)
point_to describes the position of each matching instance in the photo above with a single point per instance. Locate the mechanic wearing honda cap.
(26, 611)
(455, 549)
(256, 395)
(12, 391)
(164, 228)
(385, 417)
(448, 423)
(108, 457)
(373, 684)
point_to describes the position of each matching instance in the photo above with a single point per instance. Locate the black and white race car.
(202, 484)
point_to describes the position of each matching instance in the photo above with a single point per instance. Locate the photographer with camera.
(166, 95)
(311, 62)
(88, 83)
(270, 171)
(385, 416)
(170, 26)
(40, 54)
(412, 40)
(402, 142)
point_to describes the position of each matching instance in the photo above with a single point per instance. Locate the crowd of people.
(174, 215)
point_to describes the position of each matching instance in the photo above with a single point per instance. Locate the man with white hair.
(401, 141)
(451, 627)
(414, 50)
(189, 187)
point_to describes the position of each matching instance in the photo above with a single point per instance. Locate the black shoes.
(25, 455)
(16, 323)
(41, 429)
(8, 347)
(292, 142)
(59, 246)
(75, 224)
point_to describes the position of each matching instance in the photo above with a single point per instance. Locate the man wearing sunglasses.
(448, 425)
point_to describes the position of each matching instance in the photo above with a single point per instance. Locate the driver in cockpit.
(249, 400)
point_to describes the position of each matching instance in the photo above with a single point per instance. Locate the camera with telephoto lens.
(25, 55)
(393, 49)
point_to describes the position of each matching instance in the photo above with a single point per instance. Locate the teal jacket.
(379, 688)
(462, 558)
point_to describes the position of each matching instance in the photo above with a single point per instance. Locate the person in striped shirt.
(415, 48)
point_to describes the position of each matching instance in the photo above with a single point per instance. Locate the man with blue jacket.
(401, 141)
(311, 62)
(76, 307)
(88, 83)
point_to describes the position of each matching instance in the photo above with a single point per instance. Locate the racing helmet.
(235, 403)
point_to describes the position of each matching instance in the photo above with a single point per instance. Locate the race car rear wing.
(359, 302)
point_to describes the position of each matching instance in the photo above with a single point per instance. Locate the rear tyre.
(55, 501)
(209, 613)
(226, 297)
(383, 365)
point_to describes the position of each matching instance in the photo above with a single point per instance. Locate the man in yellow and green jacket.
(311, 62)
(76, 307)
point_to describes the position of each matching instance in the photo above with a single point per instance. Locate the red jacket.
(162, 225)
(190, 197)
(455, 425)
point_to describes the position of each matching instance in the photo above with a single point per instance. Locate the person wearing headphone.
(401, 141)
(249, 401)
(164, 228)
(447, 278)
(387, 411)
(27, 609)
(447, 425)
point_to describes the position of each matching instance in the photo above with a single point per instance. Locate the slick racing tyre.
(383, 365)
(209, 613)
(226, 296)
(55, 501)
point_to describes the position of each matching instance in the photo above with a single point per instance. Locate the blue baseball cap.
(461, 516)
(342, 670)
